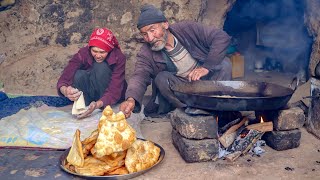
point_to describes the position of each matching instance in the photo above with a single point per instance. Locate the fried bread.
(75, 155)
(141, 155)
(115, 134)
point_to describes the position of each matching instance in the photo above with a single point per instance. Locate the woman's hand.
(70, 92)
(92, 106)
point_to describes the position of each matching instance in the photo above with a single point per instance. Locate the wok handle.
(313, 97)
(294, 83)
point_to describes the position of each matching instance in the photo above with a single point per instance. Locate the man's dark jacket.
(206, 44)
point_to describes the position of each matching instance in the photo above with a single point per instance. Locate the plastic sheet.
(49, 127)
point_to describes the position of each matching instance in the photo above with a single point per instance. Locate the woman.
(97, 71)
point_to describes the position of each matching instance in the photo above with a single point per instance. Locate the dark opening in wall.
(271, 33)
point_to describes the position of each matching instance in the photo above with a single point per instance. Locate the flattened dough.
(79, 106)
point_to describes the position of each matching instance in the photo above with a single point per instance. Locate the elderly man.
(178, 53)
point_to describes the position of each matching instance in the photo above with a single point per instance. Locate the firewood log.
(229, 136)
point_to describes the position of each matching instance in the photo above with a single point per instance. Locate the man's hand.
(92, 106)
(127, 107)
(70, 92)
(197, 73)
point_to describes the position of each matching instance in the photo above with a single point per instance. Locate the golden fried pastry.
(75, 156)
(69, 166)
(89, 142)
(141, 155)
(87, 148)
(115, 134)
(114, 159)
(120, 171)
(93, 137)
(94, 167)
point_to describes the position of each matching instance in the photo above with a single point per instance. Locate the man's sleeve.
(139, 80)
(216, 40)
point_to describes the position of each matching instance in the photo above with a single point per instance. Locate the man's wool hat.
(104, 39)
(150, 15)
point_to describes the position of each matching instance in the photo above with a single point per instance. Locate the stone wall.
(313, 21)
(37, 38)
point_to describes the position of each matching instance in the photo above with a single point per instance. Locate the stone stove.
(196, 137)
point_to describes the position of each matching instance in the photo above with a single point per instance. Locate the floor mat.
(10, 106)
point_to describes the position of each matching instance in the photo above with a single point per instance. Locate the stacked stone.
(286, 132)
(195, 137)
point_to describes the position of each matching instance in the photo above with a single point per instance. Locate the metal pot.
(233, 95)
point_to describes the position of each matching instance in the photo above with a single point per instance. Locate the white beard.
(158, 48)
(163, 42)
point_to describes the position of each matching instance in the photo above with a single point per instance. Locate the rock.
(195, 150)
(301, 105)
(287, 119)
(283, 140)
(313, 120)
(194, 127)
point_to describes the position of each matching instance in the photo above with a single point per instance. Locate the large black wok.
(233, 95)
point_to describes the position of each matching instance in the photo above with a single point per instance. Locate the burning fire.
(261, 120)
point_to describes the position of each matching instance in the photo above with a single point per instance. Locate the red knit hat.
(104, 39)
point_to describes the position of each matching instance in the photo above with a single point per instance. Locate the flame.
(261, 120)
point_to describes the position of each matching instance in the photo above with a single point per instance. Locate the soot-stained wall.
(278, 36)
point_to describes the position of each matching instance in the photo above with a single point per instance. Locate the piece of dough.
(79, 106)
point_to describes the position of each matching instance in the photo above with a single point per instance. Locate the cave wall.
(313, 22)
(38, 37)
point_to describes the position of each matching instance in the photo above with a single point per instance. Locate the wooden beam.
(233, 156)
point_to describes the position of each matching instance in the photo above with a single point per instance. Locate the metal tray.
(125, 176)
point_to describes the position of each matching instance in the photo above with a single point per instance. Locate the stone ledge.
(283, 140)
(195, 150)
(194, 127)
